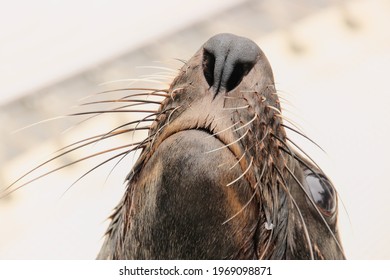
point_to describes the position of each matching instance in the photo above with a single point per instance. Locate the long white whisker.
(227, 145)
(158, 67)
(238, 161)
(37, 123)
(242, 209)
(275, 109)
(130, 81)
(248, 123)
(237, 108)
(242, 175)
(221, 131)
(305, 230)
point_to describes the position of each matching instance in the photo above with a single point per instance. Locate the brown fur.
(216, 178)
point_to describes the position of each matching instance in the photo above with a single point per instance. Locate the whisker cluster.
(132, 126)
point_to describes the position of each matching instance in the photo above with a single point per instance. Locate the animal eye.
(322, 193)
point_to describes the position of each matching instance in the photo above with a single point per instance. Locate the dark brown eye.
(322, 193)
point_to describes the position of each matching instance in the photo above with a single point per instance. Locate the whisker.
(267, 245)
(149, 91)
(299, 148)
(314, 172)
(259, 178)
(238, 161)
(227, 145)
(284, 99)
(170, 114)
(112, 111)
(116, 164)
(303, 135)
(139, 145)
(157, 132)
(283, 142)
(140, 102)
(317, 210)
(266, 224)
(131, 81)
(161, 76)
(101, 136)
(275, 109)
(289, 121)
(94, 116)
(62, 167)
(148, 118)
(306, 232)
(152, 90)
(155, 114)
(248, 123)
(158, 67)
(104, 135)
(37, 123)
(62, 154)
(147, 140)
(242, 175)
(301, 161)
(242, 156)
(116, 109)
(96, 167)
(263, 138)
(223, 130)
(291, 152)
(167, 123)
(165, 95)
(243, 208)
(181, 60)
(79, 123)
(126, 153)
(234, 97)
(174, 92)
(237, 108)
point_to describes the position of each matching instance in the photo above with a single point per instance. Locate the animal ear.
(321, 192)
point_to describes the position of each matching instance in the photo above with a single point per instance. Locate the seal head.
(217, 177)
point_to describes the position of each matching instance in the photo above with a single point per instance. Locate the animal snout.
(227, 59)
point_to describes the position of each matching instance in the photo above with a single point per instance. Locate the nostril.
(240, 70)
(235, 72)
(227, 59)
(208, 67)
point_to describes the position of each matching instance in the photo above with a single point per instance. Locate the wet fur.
(217, 177)
(218, 180)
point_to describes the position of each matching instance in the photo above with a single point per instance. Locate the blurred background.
(330, 60)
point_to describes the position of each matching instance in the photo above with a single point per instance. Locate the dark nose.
(227, 59)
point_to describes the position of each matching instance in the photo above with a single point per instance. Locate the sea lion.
(217, 177)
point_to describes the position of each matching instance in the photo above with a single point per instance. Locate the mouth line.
(210, 134)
